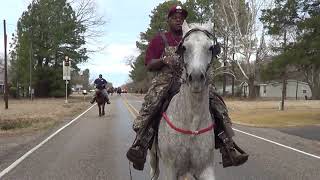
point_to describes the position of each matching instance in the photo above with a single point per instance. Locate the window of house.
(264, 89)
(304, 91)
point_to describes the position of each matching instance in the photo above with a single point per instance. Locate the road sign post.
(84, 92)
(66, 91)
(67, 74)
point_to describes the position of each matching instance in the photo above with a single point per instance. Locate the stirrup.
(137, 155)
(138, 167)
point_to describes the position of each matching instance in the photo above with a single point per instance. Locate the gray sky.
(125, 20)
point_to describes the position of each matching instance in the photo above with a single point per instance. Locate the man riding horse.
(160, 57)
(100, 84)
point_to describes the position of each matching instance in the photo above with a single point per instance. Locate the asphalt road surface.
(94, 147)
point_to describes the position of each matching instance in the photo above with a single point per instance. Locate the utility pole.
(31, 57)
(297, 90)
(225, 56)
(5, 66)
(284, 75)
(30, 69)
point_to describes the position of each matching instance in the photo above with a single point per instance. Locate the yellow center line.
(133, 111)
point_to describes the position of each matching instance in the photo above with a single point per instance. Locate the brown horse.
(119, 91)
(101, 102)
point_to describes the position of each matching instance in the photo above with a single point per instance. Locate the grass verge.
(26, 115)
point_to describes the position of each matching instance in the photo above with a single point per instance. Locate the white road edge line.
(273, 142)
(18, 161)
(258, 137)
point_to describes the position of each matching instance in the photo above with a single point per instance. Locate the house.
(295, 88)
(77, 87)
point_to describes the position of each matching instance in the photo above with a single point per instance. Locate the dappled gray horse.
(193, 153)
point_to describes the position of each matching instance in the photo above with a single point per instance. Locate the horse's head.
(196, 49)
(98, 93)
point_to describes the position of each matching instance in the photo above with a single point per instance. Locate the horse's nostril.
(190, 78)
(202, 77)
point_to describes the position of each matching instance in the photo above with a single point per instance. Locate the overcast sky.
(125, 20)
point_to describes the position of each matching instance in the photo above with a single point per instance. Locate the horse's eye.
(181, 49)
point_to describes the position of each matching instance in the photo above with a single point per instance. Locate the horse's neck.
(190, 110)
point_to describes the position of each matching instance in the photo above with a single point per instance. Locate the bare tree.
(240, 20)
(223, 27)
(87, 15)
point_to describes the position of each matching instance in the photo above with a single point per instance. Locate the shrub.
(13, 92)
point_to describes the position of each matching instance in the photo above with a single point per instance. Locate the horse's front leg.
(171, 173)
(103, 107)
(99, 110)
(207, 173)
(154, 163)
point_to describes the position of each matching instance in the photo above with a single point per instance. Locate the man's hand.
(169, 60)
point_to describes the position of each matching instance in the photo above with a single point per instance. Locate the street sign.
(67, 70)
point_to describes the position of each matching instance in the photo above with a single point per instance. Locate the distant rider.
(100, 84)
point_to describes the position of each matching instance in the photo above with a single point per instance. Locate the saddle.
(99, 93)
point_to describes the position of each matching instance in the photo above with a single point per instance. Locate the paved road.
(308, 132)
(94, 148)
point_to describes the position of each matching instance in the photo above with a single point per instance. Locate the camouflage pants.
(163, 88)
(219, 112)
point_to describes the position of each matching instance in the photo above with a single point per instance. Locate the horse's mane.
(203, 26)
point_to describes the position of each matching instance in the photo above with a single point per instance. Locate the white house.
(295, 89)
(78, 87)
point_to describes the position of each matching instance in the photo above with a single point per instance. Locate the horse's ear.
(208, 26)
(185, 27)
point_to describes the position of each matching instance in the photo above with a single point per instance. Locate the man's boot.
(107, 100)
(93, 100)
(230, 157)
(138, 152)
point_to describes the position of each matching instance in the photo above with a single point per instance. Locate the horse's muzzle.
(196, 81)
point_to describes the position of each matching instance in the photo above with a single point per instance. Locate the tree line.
(47, 32)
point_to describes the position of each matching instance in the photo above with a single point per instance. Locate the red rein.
(183, 131)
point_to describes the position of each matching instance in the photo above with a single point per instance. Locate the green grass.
(17, 124)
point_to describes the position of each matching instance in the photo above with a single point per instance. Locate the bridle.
(215, 48)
